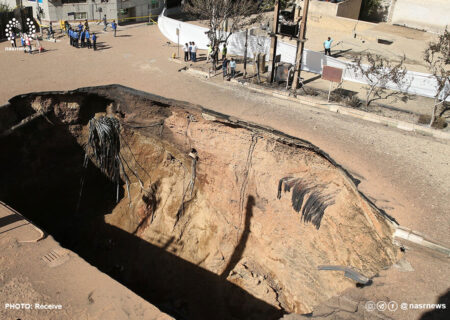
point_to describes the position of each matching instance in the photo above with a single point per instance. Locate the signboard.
(332, 74)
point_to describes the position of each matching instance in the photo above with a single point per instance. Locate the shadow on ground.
(41, 179)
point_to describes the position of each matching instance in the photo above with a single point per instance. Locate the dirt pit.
(232, 220)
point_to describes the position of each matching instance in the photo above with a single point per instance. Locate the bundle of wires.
(103, 148)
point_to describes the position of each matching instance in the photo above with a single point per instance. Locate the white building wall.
(55, 10)
(430, 15)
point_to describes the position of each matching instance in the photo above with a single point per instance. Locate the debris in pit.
(349, 273)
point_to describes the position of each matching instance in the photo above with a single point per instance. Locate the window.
(72, 1)
(80, 16)
(155, 4)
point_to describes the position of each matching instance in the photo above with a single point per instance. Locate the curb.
(416, 238)
(402, 125)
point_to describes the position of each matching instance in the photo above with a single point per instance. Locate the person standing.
(186, 52)
(327, 46)
(105, 22)
(28, 44)
(194, 52)
(50, 30)
(86, 25)
(94, 41)
(83, 38)
(88, 39)
(13, 39)
(225, 67)
(76, 36)
(233, 67)
(190, 50)
(114, 27)
(67, 26)
(224, 51)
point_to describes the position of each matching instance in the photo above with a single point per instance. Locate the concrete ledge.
(417, 238)
(198, 73)
(398, 124)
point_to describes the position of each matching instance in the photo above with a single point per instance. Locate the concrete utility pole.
(300, 46)
(273, 44)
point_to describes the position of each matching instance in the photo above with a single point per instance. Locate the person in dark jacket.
(50, 31)
(225, 67)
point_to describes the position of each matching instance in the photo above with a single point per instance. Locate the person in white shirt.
(186, 52)
(233, 67)
(194, 52)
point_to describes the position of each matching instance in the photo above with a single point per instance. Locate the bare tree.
(437, 57)
(4, 7)
(379, 72)
(222, 16)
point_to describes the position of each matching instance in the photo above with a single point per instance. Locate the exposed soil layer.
(211, 238)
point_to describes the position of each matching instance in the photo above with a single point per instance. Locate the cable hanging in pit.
(104, 149)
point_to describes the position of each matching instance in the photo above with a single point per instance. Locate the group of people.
(231, 64)
(80, 37)
(190, 52)
(113, 25)
(228, 66)
(213, 53)
(25, 40)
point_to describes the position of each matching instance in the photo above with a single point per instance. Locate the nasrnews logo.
(14, 49)
(32, 306)
(393, 306)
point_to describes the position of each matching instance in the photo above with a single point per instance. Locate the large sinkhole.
(227, 219)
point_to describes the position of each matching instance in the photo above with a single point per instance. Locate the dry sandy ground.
(403, 173)
(43, 273)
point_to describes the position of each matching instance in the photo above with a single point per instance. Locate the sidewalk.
(399, 119)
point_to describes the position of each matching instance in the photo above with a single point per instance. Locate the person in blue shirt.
(76, 36)
(80, 27)
(94, 41)
(114, 27)
(83, 37)
(327, 46)
(88, 38)
(69, 32)
(72, 37)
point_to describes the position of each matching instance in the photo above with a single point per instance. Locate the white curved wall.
(420, 83)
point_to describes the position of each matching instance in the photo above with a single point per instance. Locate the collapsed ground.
(224, 245)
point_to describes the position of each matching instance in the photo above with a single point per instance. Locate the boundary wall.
(422, 84)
